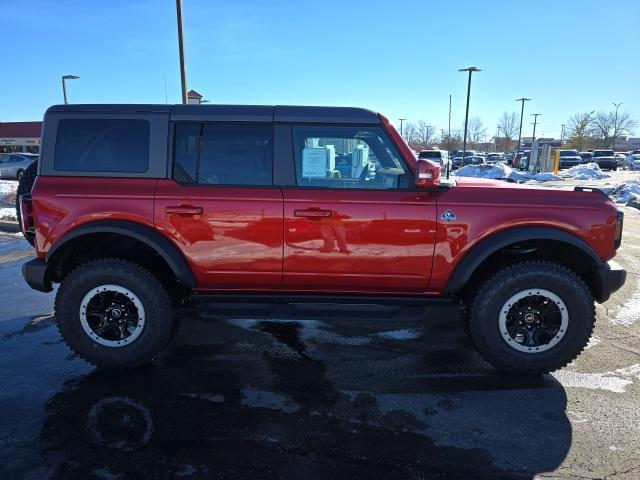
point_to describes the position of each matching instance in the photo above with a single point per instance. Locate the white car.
(13, 165)
(440, 156)
(620, 159)
(632, 162)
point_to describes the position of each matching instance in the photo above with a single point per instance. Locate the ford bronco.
(139, 210)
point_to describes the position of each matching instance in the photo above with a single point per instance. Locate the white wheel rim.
(528, 326)
(132, 331)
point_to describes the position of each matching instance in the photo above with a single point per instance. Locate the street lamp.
(466, 115)
(64, 85)
(521, 115)
(615, 125)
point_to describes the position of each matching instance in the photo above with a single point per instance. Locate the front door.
(352, 223)
(221, 208)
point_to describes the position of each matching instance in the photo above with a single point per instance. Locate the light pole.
(521, 117)
(615, 125)
(497, 137)
(535, 122)
(64, 85)
(449, 134)
(183, 70)
(401, 124)
(562, 134)
(466, 115)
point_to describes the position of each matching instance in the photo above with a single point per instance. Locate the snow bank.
(627, 192)
(501, 170)
(588, 171)
(7, 200)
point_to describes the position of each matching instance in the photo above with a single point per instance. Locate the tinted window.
(102, 145)
(346, 157)
(218, 154)
(432, 155)
(603, 153)
(568, 153)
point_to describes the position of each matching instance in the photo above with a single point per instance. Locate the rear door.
(221, 207)
(353, 221)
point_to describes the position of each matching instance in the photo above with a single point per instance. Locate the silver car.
(13, 165)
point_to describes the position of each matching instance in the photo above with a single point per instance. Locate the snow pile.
(7, 200)
(588, 171)
(627, 192)
(503, 171)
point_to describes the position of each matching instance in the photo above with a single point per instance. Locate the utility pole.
(562, 134)
(449, 134)
(497, 137)
(401, 124)
(426, 140)
(521, 118)
(615, 126)
(466, 115)
(183, 71)
(442, 136)
(535, 122)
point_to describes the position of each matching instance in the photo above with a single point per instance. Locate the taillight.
(619, 222)
(26, 214)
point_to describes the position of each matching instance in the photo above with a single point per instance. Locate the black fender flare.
(147, 235)
(497, 241)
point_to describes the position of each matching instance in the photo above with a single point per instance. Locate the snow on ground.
(7, 199)
(588, 171)
(501, 170)
(627, 192)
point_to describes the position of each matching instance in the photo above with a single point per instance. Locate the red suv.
(138, 210)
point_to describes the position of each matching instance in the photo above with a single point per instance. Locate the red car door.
(349, 227)
(221, 209)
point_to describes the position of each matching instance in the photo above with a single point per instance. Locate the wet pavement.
(314, 392)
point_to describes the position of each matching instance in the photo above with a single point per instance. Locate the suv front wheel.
(114, 313)
(532, 318)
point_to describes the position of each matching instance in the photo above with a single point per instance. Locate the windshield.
(436, 155)
(603, 153)
(568, 153)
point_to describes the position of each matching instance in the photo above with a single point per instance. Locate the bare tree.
(410, 132)
(608, 126)
(475, 131)
(581, 126)
(424, 133)
(508, 125)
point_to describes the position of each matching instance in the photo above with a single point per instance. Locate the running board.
(332, 299)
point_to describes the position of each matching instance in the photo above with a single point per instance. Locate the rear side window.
(223, 154)
(102, 145)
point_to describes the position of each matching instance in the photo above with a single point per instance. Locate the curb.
(7, 226)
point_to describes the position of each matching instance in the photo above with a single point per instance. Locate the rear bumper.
(607, 163)
(609, 277)
(34, 273)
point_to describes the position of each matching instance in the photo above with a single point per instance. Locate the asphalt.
(315, 392)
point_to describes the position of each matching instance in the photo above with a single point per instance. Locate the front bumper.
(609, 164)
(609, 277)
(34, 273)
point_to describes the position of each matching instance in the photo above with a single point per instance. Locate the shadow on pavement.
(265, 398)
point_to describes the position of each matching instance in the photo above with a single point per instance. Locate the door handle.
(312, 213)
(183, 210)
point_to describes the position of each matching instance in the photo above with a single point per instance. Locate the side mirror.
(428, 174)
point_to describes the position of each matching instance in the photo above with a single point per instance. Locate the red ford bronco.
(137, 210)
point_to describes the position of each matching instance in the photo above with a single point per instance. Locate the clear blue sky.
(400, 58)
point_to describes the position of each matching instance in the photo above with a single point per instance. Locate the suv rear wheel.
(114, 313)
(532, 318)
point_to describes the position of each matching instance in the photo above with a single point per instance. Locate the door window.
(223, 154)
(347, 157)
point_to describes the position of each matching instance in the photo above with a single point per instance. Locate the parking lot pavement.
(349, 393)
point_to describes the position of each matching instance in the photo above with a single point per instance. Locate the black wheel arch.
(498, 241)
(142, 233)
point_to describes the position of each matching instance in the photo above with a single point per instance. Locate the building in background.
(21, 137)
(194, 97)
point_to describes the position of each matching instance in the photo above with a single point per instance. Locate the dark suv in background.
(605, 159)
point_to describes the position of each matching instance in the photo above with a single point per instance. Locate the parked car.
(13, 165)
(569, 158)
(587, 157)
(468, 160)
(632, 162)
(440, 156)
(139, 211)
(524, 160)
(619, 159)
(605, 159)
(493, 157)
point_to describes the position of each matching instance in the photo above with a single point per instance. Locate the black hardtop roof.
(239, 113)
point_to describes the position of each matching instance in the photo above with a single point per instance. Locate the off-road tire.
(497, 289)
(160, 312)
(25, 184)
